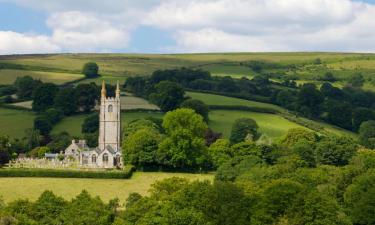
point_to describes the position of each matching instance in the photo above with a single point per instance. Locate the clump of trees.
(90, 70)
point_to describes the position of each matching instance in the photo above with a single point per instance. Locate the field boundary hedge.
(126, 173)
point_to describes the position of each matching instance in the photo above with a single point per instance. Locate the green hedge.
(126, 173)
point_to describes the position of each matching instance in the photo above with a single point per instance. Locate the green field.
(211, 99)
(14, 122)
(9, 76)
(271, 125)
(30, 187)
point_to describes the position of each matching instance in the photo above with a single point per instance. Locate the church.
(108, 153)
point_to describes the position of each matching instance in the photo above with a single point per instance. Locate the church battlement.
(111, 99)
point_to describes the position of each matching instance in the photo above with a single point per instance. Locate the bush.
(23, 172)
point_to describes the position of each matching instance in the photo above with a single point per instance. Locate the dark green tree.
(244, 128)
(184, 145)
(90, 70)
(356, 80)
(198, 106)
(309, 99)
(25, 86)
(361, 115)
(4, 150)
(43, 124)
(86, 96)
(65, 101)
(43, 96)
(336, 151)
(367, 134)
(90, 124)
(168, 95)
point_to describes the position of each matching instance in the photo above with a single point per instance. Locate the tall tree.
(43, 96)
(65, 101)
(184, 145)
(25, 86)
(168, 95)
(90, 70)
(86, 96)
(198, 106)
(367, 134)
(244, 128)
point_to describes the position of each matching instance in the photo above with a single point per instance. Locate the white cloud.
(267, 25)
(200, 25)
(16, 43)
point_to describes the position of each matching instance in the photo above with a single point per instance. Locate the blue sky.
(170, 26)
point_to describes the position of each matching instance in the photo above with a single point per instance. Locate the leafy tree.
(361, 115)
(43, 124)
(295, 135)
(90, 210)
(90, 124)
(59, 142)
(309, 100)
(331, 92)
(86, 96)
(328, 76)
(360, 199)
(43, 96)
(356, 80)
(66, 102)
(285, 98)
(47, 208)
(244, 128)
(227, 84)
(42, 151)
(132, 199)
(335, 150)
(25, 86)
(198, 106)
(168, 95)
(139, 124)
(32, 138)
(92, 139)
(90, 70)
(54, 115)
(320, 209)
(280, 195)
(184, 145)
(140, 148)
(367, 134)
(306, 150)
(136, 85)
(220, 152)
(340, 114)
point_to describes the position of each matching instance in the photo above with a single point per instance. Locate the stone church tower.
(110, 120)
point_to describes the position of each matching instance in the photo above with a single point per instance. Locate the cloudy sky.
(173, 26)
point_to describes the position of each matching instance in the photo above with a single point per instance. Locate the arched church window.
(110, 108)
(105, 158)
(93, 158)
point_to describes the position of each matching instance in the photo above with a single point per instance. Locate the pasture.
(269, 124)
(8, 76)
(212, 99)
(31, 187)
(14, 122)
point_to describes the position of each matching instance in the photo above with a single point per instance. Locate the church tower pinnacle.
(104, 92)
(118, 90)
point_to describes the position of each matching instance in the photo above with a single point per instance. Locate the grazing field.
(14, 122)
(132, 102)
(9, 76)
(30, 188)
(211, 99)
(269, 124)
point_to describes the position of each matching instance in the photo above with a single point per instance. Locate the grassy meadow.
(8, 76)
(31, 187)
(14, 122)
